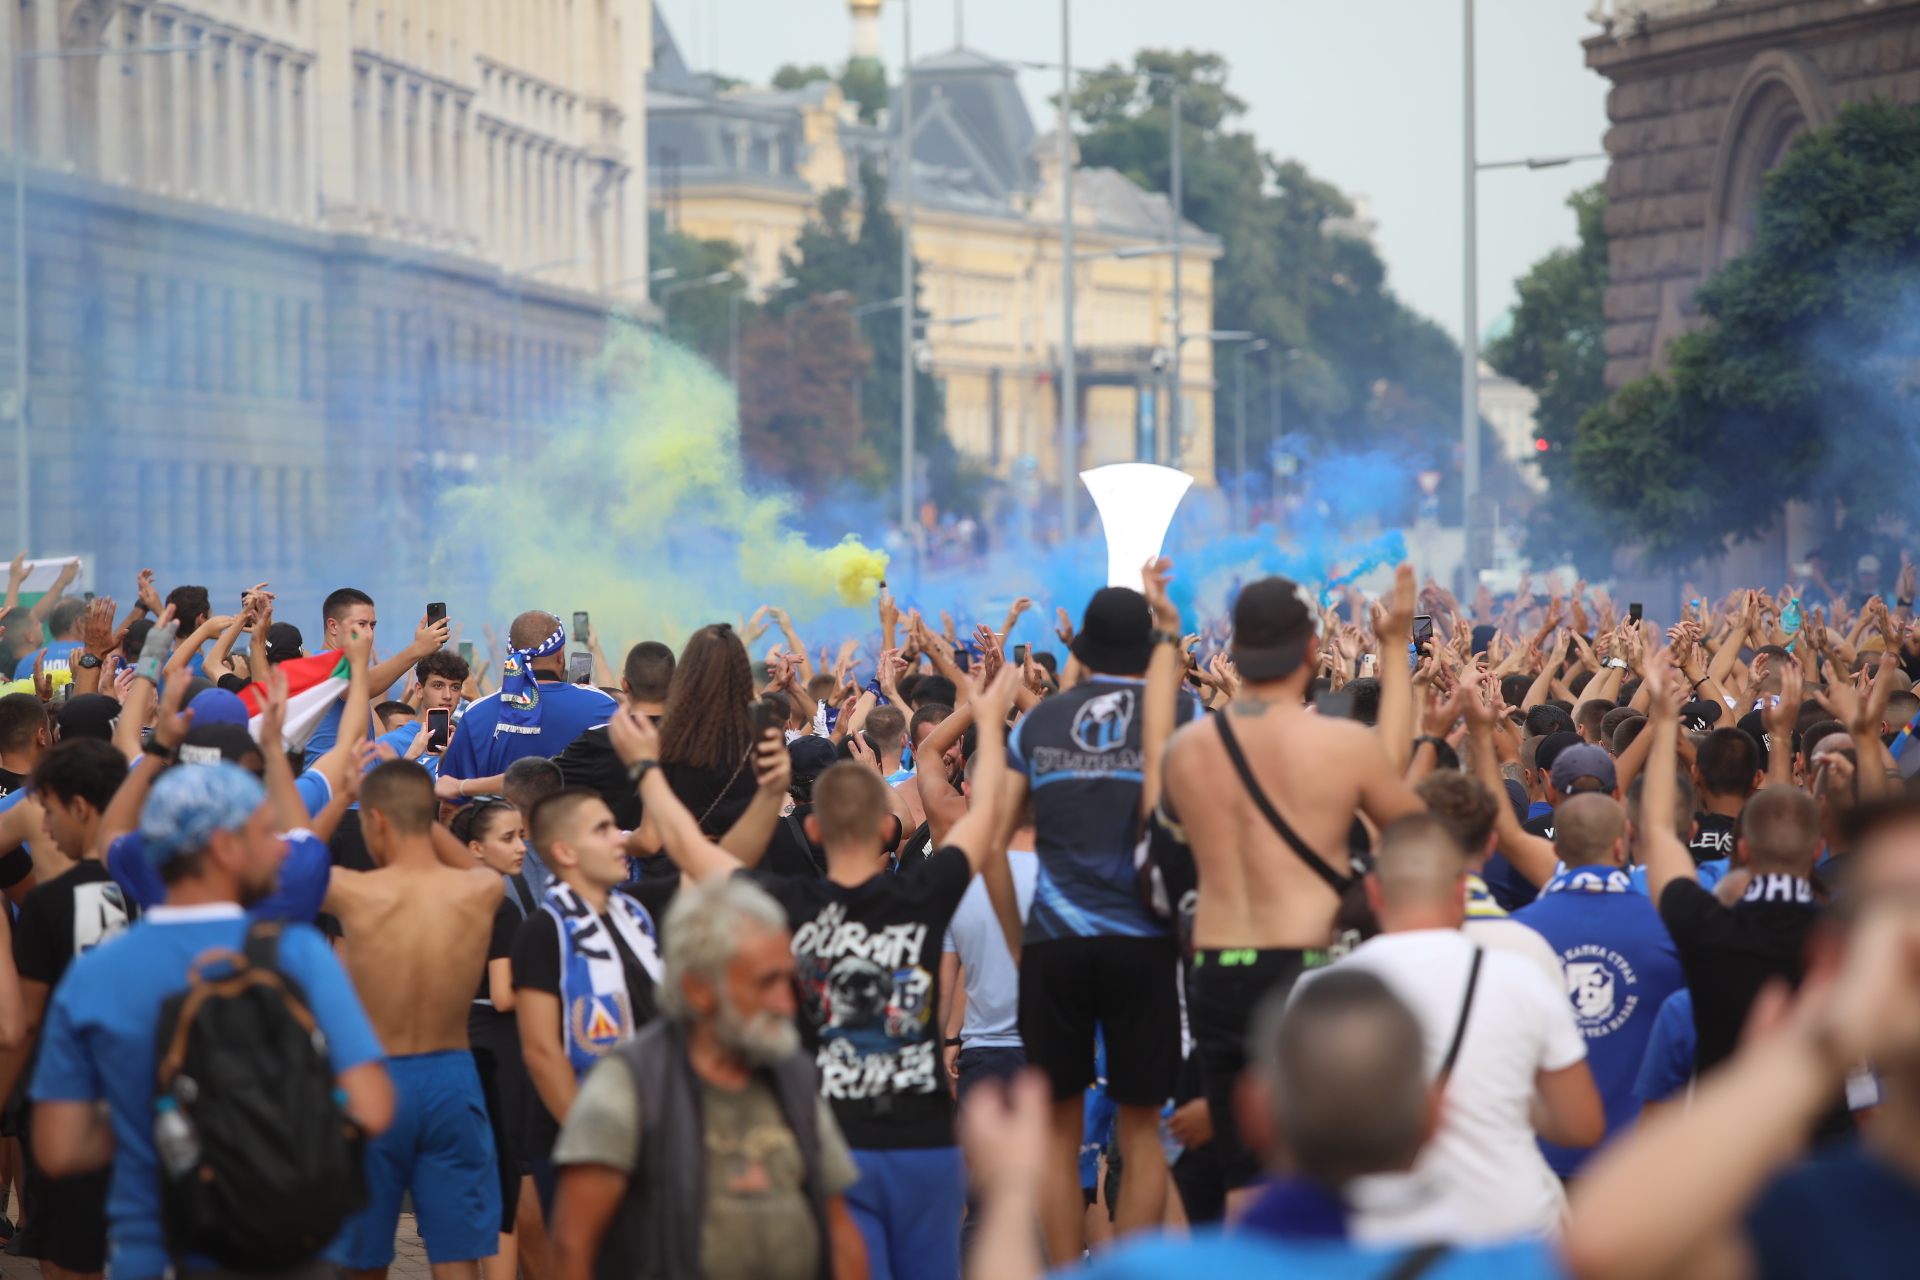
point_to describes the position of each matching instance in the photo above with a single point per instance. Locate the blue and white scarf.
(596, 1013)
(1589, 880)
(520, 688)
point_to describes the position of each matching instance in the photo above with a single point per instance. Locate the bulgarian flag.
(313, 685)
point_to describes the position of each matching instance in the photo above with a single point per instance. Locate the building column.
(112, 105)
(49, 84)
(330, 121)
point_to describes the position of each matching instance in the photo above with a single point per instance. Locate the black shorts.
(1225, 988)
(66, 1218)
(1129, 988)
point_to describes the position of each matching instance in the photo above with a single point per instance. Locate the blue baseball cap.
(218, 706)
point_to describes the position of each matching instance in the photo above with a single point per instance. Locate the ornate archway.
(1781, 95)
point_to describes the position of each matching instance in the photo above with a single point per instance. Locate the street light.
(684, 286)
(1240, 426)
(1476, 513)
(1130, 251)
(22, 490)
(1176, 446)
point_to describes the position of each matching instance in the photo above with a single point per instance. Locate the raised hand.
(428, 637)
(145, 592)
(1063, 626)
(170, 723)
(635, 738)
(273, 716)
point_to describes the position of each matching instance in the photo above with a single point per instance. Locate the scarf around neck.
(520, 688)
(1589, 880)
(596, 1008)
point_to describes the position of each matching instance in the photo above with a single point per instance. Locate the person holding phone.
(442, 675)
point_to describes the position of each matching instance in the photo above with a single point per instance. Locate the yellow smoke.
(638, 512)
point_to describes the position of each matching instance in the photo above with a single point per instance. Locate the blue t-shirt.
(1840, 1215)
(1244, 1255)
(1621, 966)
(1668, 1063)
(59, 658)
(401, 740)
(327, 732)
(305, 874)
(98, 1043)
(483, 747)
(1510, 890)
(1080, 751)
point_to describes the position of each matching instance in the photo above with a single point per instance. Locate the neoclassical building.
(749, 166)
(294, 265)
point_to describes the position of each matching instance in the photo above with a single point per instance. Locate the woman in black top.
(497, 837)
(706, 731)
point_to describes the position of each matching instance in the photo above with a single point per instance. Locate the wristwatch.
(638, 770)
(1618, 664)
(154, 747)
(1164, 637)
(88, 661)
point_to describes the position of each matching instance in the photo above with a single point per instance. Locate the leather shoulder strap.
(1337, 882)
(1418, 1263)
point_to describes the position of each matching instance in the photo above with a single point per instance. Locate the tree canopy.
(1372, 371)
(1802, 387)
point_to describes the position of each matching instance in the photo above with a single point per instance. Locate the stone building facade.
(1707, 95)
(314, 262)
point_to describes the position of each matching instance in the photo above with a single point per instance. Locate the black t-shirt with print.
(869, 974)
(536, 966)
(16, 864)
(1729, 953)
(73, 912)
(1713, 839)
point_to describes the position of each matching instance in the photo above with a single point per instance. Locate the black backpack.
(267, 1166)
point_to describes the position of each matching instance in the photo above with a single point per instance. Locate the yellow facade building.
(750, 166)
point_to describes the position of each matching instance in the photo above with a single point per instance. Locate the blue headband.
(520, 688)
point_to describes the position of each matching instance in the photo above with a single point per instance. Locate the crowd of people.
(1365, 938)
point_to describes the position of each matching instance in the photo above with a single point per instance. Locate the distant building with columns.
(750, 165)
(288, 279)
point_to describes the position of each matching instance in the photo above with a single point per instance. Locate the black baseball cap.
(90, 715)
(1116, 633)
(284, 642)
(1756, 728)
(1550, 748)
(811, 756)
(1275, 621)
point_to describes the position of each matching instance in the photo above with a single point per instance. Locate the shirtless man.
(1264, 914)
(416, 934)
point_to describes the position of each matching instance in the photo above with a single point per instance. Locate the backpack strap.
(1460, 1027)
(1318, 865)
(263, 945)
(799, 831)
(1418, 1263)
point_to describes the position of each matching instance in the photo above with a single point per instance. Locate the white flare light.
(1136, 502)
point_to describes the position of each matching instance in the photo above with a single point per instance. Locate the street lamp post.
(1176, 447)
(1240, 428)
(1069, 357)
(23, 491)
(906, 270)
(1176, 383)
(685, 286)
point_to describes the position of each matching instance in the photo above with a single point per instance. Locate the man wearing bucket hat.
(1265, 794)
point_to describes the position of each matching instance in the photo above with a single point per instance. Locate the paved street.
(409, 1258)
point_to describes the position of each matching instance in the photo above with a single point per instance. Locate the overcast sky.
(1365, 92)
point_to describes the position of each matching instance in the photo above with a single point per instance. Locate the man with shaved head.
(1620, 964)
(535, 713)
(1495, 1033)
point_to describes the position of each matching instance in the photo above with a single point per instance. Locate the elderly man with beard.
(702, 1147)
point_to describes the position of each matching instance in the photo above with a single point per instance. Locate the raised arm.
(288, 809)
(1160, 708)
(355, 711)
(1666, 857)
(427, 638)
(44, 605)
(940, 800)
(977, 833)
(184, 651)
(747, 839)
(802, 663)
(637, 743)
(123, 811)
(1532, 856)
(1395, 633)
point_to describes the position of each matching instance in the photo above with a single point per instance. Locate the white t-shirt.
(1521, 1024)
(992, 979)
(1497, 933)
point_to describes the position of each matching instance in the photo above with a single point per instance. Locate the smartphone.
(764, 718)
(1020, 652)
(1422, 639)
(1337, 706)
(88, 597)
(1633, 612)
(466, 653)
(436, 612)
(579, 667)
(580, 627)
(439, 728)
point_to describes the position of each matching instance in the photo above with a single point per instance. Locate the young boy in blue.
(209, 832)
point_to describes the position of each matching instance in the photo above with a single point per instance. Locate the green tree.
(799, 418)
(1371, 372)
(834, 257)
(696, 318)
(1802, 387)
(1556, 347)
(862, 80)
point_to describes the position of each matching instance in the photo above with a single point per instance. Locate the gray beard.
(763, 1039)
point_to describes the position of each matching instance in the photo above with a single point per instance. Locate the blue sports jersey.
(1668, 1063)
(1080, 751)
(305, 875)
(1621, 966)
(483, 747)
(59, 658)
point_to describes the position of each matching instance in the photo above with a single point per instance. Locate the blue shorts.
(441, 1148)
